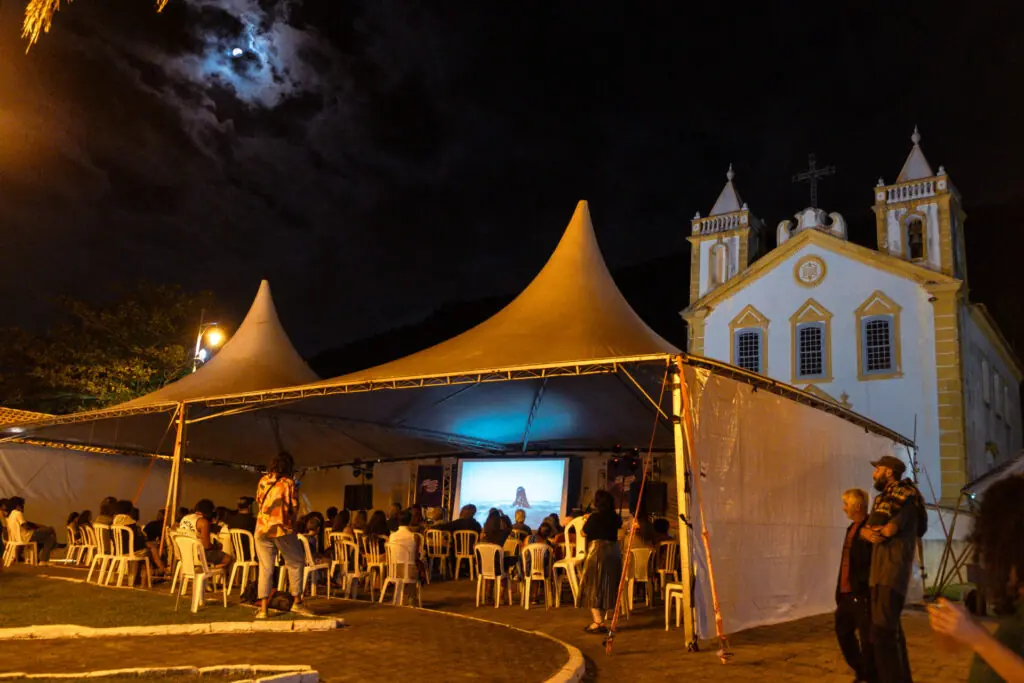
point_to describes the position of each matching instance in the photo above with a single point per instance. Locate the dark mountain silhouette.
(656, 289)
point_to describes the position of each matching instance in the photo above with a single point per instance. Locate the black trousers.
(853, 631)
(887, 633)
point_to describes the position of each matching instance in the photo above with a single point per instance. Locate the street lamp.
(214, 338)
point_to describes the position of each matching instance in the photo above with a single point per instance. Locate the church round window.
(809, 271)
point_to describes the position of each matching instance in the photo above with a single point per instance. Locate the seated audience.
(377, 529)
(3, 511)
(74, 534)
(127, 515)
(405, 546)
(394, 514)
(155, 529)
(358, 523)
(520, 524)
(493, 531)
(85, 519)
(416, 521)
(107, 513)
(331, 513)
(340, 522)
(465, 522)
(197, 525)
(21, 531)
(242, 518)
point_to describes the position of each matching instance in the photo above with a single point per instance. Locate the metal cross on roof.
(811, 175)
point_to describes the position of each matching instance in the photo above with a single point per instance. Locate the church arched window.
(915, 239)
(878, 340)
(719, 264)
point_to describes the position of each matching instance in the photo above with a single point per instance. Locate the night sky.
(377, 160)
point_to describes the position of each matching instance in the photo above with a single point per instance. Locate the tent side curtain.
(773, 500)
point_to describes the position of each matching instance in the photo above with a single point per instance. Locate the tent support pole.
(688, 425)
(685, 557)
(171, 512)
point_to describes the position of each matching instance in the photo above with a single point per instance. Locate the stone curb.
(72, 631)
(274, 673)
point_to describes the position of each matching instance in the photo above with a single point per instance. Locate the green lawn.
(33, 601)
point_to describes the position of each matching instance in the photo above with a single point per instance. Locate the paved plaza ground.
(383, 643)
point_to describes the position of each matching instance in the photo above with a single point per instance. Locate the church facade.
(888, 331)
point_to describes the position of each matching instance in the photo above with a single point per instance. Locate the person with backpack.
(898, 518)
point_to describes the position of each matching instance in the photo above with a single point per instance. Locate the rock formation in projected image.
(521, 500)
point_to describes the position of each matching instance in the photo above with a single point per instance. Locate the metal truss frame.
(238, 402)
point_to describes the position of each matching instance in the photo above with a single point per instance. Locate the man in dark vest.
(897, 519)
(853, 607)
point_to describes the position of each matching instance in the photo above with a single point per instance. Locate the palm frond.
(38, 19)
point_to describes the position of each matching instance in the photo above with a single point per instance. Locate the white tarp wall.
(772, 476)
(54, 482)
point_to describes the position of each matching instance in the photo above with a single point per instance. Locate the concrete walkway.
(382, 643)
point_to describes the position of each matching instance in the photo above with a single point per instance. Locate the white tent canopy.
(568, 365)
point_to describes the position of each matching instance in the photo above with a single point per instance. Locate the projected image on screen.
(535, 486)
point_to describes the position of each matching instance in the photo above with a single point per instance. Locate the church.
(889, 331)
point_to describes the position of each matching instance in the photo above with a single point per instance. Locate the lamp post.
(214, 338)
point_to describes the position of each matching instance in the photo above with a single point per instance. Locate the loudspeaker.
(359, 496)
(655, 497)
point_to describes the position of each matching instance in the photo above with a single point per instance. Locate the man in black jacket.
(853, 597)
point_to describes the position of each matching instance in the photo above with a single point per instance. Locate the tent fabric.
(56, 482)
(258, 356)
(772, 476)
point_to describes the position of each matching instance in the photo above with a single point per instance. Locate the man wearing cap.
(892, 527)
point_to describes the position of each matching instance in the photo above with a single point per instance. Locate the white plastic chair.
(376, 563)
(401, 573)
(124, 556)
(421, 543)
(539, 555)
(195, 568)
(569, 568)
(88, 544)
(492, 568)
(104, 555)
(674, 595)
(244, 546)
(312, 566)
(638, 571)
(347, 553)
(671, 555)
(74, 548)
(465, 541)
(439, 544)
(16, 541)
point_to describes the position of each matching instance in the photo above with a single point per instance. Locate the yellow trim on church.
(750, 318)
(870, 257)
(949, 382)
(879, 304)
(811, 312)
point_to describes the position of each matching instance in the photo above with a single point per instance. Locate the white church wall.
(991, 401)
(848, 283)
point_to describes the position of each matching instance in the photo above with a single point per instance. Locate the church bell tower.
(724, 243)
(919, 217)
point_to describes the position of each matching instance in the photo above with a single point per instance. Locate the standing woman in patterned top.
(276, 507)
